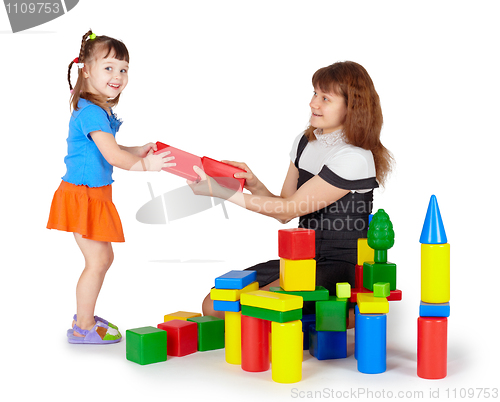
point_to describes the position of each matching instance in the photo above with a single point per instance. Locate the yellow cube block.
(232, 324)
(435, 273)
(369, 304)
(180, 315)
(232, 294)
(286, 353)
(271, 300)
(296, 275)
(365, 252)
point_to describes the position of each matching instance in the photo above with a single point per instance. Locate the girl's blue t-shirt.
(85, 164)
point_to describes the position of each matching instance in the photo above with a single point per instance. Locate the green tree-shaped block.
(381, 235)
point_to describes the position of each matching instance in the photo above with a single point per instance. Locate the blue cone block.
(433, 231)
(371, 342)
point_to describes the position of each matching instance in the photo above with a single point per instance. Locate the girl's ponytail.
(79, 59)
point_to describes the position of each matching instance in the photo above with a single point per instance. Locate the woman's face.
(328, 111)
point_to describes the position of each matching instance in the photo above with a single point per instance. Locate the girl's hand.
(145, 149)
(155, 163)
(252, 183)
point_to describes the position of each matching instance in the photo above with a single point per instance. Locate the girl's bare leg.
(98, 258)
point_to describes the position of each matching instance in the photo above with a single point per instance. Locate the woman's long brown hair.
(363, 121)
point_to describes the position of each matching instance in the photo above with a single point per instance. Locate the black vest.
(346, 218)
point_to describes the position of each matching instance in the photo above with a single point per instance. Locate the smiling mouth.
(317, 115)
(115, 86)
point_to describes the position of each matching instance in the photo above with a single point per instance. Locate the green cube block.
(343, 290)
(146, 345)
(331, 315)
(210, 332)
(320, 293)
(271, 315)
(381, 289)
(374, 272)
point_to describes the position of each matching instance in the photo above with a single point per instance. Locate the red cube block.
(184, 162)
(296, 244)
(182, 337)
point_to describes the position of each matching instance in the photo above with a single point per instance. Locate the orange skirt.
(88, 211)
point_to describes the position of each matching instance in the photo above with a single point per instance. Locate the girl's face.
(328, 111)
(106, 77)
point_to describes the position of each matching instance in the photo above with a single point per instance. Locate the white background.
(232, 80)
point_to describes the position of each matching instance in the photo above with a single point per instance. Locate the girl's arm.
(122, 158)
(141, 152)
(312, 196)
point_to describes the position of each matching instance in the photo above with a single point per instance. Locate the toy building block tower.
(325, 333)
(297, 249)
(379, 279)
(435, 296)
(226, 296)
(375, 264)
(278, 313)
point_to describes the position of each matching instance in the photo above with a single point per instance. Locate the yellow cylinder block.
(435, 273)
(233, 337)
(287, 351)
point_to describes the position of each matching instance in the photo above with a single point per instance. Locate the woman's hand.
(207, 185)
(252, 183)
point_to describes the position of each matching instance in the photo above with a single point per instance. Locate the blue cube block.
(235, 279)
(223, 305)
(434, 310)
(371, 342)
(325, 345)
(307, 320)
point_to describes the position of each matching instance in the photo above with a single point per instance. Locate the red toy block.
(184, 162)
(296, 244)
(396, 295)
(182, 337)
(432, 347)
(223, 173)
(358, 281)
(255, 344)
(354, 294)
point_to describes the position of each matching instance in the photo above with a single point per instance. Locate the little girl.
(334, 166)
(83, 204)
